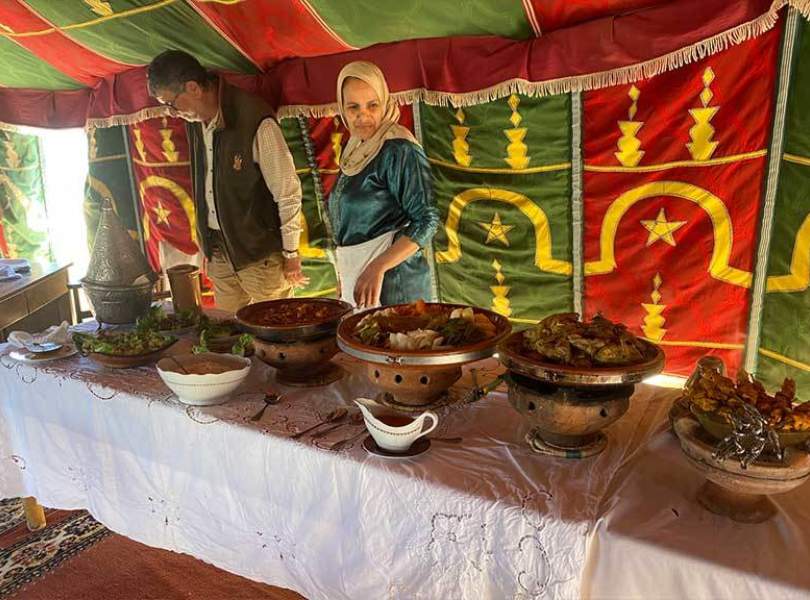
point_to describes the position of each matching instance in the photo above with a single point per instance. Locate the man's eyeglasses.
(171, 103)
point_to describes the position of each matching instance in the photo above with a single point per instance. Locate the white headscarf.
(358, 153)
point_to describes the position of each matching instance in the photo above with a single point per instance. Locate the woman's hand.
(368, 287)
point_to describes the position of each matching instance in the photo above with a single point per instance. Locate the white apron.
(352, 261)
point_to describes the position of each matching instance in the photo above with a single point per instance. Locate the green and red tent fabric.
(646, 159)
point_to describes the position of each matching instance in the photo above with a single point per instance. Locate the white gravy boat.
(402, 431)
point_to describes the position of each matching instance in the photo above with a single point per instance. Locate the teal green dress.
(393, 192)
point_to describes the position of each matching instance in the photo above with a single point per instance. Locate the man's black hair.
(170, 70)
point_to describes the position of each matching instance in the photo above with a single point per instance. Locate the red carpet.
(76, 557)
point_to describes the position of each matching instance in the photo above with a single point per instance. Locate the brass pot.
(568, 418)
(734, 492)
(413, 386)
(118, 304)
(301, 364)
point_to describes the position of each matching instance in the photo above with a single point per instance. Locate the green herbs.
(459, 331)
(158, 320)
(124, 343)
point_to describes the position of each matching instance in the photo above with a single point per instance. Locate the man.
(246, 192)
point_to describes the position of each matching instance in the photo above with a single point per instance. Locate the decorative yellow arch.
(711, 204)
(178, 192)
(542, 233)
(799, 278)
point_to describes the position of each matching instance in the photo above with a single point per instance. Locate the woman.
(381, 208)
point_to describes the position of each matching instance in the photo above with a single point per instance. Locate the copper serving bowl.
(568, 407)
(300, 351)
(417, 377)
(249, 319)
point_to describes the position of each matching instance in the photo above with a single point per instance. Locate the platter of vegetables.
(123, 349)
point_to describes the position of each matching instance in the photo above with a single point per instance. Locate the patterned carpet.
(25, 555)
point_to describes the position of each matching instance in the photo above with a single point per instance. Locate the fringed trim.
(579, 83)
(152, 112)
(803, 6)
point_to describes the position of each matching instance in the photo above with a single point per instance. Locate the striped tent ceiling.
(72, 62)
(70, 44)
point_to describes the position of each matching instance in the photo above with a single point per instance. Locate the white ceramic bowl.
(203, 390)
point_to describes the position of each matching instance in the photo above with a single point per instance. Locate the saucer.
(31, 358)
(420, 446)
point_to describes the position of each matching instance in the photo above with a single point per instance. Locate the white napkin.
(19, 265)
(7, 273)
(57, 335)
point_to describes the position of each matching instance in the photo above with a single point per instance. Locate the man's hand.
(368, 287)
(293, 273)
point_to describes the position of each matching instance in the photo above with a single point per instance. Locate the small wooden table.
(35, 301)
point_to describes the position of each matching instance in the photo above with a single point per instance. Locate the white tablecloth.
(484, 519)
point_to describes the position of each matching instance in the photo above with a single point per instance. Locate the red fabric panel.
(556, 14)
(44, 109)
(159, 149)
(56, 49)
(465, 64)
(271, 30)
(742, 88)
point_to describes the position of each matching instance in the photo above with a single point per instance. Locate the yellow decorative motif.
(337, 138)
(719, 267)
(630, 153)
(702, 146)
(496, 230)
(169, 150)
(799, 278)
(15, 191)
(186, 203)
(785, 359)
(661, 229)
(101, 8)
(542, 232)
(162, 213)
(653, 327)
(516, 150)
(461, 149)
(304, 249)
(12, 158)
(139, 145)
(500, 300)
(92, 144)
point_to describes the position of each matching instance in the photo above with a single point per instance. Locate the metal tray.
(354, 347)
(510, 356)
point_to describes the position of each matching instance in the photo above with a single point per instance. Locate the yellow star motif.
(162, 213)
(496, 230)
(661, 229)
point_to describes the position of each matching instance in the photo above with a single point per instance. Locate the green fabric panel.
(22, 197)
(21, 69)
(532, 293)
(136, 39)
(109, 174)
(797, 125)
(362, 23)
(320, 271)
(786, 315)
(548, 142)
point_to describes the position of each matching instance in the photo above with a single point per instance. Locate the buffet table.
(484, 518)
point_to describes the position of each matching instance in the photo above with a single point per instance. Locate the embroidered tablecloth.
(486, 518)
